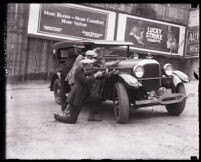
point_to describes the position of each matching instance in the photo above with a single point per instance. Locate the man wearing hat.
(73, 53)
(80, 92)
(136, 35)
(70, 77)
(89, 55)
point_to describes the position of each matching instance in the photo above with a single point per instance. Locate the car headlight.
(168, 69)
(138, 71)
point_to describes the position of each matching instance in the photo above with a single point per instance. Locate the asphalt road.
(151, 133)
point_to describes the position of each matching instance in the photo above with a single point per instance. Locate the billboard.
(151, 35)
(70, 21)
(192, 47)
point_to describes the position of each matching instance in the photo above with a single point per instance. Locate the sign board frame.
(192, 43)
(155, 40)
(65, 27)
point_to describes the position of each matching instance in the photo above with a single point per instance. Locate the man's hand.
(114, 72)
(98, 74)
(59, 75)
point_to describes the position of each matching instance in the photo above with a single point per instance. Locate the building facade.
(28, 50)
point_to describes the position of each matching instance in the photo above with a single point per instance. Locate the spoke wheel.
(57, 91)
(120, 103)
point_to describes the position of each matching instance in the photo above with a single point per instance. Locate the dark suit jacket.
(67, 66)
(81, 88)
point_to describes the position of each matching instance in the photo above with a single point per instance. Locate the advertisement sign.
(151, 35)
(192, 48)
(71, 21)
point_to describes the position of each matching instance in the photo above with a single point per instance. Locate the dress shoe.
(94, 118)
(64, 119)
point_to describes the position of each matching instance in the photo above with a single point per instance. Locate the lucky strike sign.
(151, 35)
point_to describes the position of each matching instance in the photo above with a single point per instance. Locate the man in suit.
(70, 78)
(73, 53)
(80, 93)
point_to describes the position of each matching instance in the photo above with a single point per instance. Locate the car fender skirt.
(130, 80)
(184, 78)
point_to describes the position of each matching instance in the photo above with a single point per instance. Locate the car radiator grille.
(151, 78)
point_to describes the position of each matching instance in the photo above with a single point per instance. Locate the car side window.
(63, 54)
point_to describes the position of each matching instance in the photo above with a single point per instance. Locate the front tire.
(57, 91)
(177, 108)
(120, 103)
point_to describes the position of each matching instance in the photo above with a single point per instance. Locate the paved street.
(151, 133)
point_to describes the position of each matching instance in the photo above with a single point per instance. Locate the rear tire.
(57, 91)
(177, 108)
(120, 103)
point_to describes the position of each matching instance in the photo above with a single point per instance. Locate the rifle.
(107, 71)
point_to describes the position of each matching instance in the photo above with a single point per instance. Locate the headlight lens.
(168, 69)
(138, 71)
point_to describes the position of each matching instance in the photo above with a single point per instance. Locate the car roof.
(91, 43)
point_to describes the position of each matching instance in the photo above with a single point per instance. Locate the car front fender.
(176, 80)
(184, 78)
(130, 80)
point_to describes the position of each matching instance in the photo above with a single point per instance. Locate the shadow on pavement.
(107, 113)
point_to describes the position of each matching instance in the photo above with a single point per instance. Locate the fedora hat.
(87, 61)
(91, 53)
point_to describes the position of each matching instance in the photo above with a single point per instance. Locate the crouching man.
(80, 93)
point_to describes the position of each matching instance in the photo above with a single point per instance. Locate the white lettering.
(62, 15)
(51, 28)
(95, 21)
(80, 19)
(80, 24)
(49, 13)
(66, 21)
(154, 30)
(193, 37)
(92, 34)
(194, 48)
(154, 35)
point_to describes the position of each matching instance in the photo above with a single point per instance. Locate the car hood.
(130, 63)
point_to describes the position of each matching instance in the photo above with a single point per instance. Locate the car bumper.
(162, 100)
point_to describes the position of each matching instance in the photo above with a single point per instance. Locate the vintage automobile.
(139, 83)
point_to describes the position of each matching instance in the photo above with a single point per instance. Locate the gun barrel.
(109, 68)
(94, 70)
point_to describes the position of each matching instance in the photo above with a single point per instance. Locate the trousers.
(63, 93)
(73, 112)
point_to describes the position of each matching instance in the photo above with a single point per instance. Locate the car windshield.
(112, 53)
(106, 51)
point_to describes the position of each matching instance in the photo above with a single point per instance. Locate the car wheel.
(120, 103)
(177, 108)
(57, 91)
